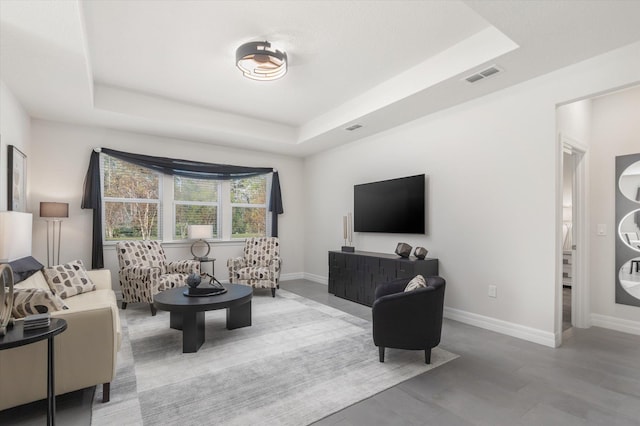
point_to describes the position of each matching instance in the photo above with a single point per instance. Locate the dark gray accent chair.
(408, 320)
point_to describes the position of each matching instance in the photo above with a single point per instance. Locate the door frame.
(580, 290)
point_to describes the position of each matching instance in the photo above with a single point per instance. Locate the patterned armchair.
(145, 272)
(260, 266)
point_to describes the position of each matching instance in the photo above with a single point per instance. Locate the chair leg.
(124, 305)
(381, 353)
(153, 310)
(106, 392)
(427, 356)
(273, 292)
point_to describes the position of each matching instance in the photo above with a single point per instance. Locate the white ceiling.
(167, 67)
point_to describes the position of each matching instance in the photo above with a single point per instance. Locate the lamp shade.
(15, 235)
(201, 232)
(50, 209)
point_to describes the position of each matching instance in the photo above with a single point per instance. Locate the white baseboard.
(292, 276)
(510, 329)
(613, 323)
(316, 278)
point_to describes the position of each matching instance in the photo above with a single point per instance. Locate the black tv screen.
(392, 206)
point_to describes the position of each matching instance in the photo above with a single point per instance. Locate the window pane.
(125, 180)
(251, 190)
(131, 221)
(249, 222)
(195, 215)
(189, 189)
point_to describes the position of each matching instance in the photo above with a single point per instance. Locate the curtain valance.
(92, 195)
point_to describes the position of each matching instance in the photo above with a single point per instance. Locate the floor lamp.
(54, 213)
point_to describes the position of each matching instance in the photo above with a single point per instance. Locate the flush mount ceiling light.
(259, 61)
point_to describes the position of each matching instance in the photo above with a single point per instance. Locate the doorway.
(567, 237)
(573, 293)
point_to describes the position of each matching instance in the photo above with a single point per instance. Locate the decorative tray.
(204, 291)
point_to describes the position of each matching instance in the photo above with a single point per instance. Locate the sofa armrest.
(85, 355)
(101, 278)
(140, 272)
(274, 265)
(236, 263)
(183, 267)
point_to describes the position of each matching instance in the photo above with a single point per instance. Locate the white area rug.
(300, 361)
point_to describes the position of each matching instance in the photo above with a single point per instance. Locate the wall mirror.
(629, 183)
(629, 230)
(629, 276)
(627, 272)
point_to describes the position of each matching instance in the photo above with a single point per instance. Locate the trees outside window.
(135, 198)
(249, 207)
(131, 201)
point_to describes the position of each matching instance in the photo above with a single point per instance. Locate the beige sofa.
(85, 353)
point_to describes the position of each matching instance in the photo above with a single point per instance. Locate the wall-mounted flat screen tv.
(394, 206)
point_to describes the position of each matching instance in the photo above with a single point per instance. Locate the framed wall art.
(16, 180)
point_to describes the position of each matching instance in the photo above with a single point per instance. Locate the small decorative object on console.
(403, 250)
(347, 230)
(420, 252)
(193, 280)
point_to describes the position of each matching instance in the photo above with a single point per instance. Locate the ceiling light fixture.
(259, 61)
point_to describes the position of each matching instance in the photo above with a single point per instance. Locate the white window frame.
(167, 204)
(193, 203)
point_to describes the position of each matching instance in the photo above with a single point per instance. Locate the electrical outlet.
(493, 291)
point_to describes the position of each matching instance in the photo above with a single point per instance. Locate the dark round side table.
(17, 336)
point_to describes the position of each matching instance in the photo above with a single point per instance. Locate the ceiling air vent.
(354, 127)
(492, 70)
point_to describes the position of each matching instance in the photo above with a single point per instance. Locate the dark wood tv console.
(354, 276)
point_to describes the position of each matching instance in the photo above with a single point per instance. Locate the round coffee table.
(187, 313)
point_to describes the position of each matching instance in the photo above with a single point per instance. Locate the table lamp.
(200, 233)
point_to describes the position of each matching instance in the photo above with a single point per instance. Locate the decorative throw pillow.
(69, 279)
(416, 283)
(31, 301)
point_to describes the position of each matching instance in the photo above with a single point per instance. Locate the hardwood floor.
(593, 379)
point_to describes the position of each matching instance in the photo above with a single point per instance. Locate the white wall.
(615, 130)
(492, 176)
(59, 161)
(14, 130)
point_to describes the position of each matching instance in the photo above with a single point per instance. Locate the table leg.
(192, 331)
(175, 320)
(51, 388)
(239, 316)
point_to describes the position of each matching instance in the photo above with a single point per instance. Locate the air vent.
(354, 127)
(488, 72)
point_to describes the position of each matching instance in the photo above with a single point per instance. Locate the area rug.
(300, 361)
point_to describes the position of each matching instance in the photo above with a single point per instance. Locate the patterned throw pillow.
(416, 283)
(31, 301)
(69, 279)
